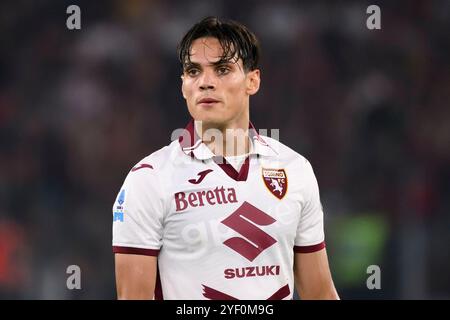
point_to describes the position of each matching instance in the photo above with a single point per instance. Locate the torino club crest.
(276, 181)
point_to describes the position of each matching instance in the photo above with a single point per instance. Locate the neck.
(225, 139)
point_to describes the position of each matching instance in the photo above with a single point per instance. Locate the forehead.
(206, 50)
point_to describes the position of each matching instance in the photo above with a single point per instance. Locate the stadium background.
(369, 109)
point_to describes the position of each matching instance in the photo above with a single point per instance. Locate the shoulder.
(152, 170)
(158, 161)
(287, 155)
(299, 170)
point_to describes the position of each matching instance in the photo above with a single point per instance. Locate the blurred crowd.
(369, 109)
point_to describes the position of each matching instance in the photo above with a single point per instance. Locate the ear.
(253, 81)
(182, 87)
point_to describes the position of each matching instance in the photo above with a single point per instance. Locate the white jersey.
(219, 233)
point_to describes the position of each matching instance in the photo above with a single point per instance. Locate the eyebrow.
(217, 63)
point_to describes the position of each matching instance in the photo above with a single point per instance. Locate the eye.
(192, 72)
(222, 70)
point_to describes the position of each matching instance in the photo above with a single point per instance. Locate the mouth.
(207, 101)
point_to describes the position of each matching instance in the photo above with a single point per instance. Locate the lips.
(208, 100)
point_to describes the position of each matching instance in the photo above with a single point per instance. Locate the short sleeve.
(310, 231)
(138, 214)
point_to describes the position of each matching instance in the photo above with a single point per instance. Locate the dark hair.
(237, 41)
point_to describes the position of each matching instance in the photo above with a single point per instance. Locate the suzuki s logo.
(244, 221)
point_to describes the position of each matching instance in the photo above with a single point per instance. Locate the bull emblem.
(275, 181)
(276, 186)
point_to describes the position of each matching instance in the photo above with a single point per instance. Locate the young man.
(221, 213)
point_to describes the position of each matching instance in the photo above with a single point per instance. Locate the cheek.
(236, 88)
(237, 93)
(187, 91)
(189, 96)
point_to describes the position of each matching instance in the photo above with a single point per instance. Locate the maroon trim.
(144, 165)
(158, 287)
(191, 139)
(254, 133)
(309, 249)
(214, 294)
(280, 294)
(231, 171)
(140, 251)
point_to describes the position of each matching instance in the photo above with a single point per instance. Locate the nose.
(207, 81)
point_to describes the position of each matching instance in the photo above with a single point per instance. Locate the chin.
(212, 122)
(210, 119)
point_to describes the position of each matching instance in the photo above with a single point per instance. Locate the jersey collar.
(192, 145)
